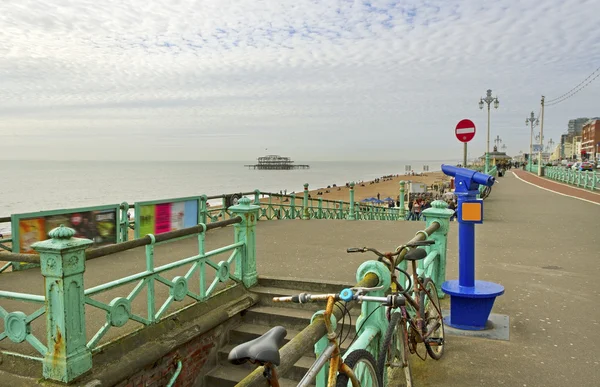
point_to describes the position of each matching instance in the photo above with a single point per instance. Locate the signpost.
(465, 131)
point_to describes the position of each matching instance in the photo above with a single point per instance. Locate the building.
(576, 125)
(556, 153)
(590, 139)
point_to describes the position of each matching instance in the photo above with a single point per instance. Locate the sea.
(34, 185)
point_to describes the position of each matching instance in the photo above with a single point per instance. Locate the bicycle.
(421, 323)
(358, 369)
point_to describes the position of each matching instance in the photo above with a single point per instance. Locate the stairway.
(267, 314)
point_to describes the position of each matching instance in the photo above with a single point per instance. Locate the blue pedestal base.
(470, 307)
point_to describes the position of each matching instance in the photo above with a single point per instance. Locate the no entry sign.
(465, 130)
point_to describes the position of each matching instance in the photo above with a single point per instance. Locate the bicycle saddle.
(263, 349)
(415, 255)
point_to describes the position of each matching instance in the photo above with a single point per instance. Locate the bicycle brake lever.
(355, 250)
(361, 289)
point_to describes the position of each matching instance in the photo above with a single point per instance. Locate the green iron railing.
(68, 352)
(273, 207)
(583, 179)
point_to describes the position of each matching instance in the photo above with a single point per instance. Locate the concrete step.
(266, 294)
(296, 373)
(306, 286)
(294, 319)
(229, 375)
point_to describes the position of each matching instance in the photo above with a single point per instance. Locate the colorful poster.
(31, 231)
(98, 226)
(177, 214)
(106, 227)
(190, 215)
(162, 213)
(147, 218)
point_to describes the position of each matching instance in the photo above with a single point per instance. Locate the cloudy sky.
(316, 80)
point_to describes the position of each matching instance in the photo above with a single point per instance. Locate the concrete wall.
(148, 357)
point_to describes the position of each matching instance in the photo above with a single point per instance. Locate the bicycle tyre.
(390, 344)
(352, 360)
(432, 312)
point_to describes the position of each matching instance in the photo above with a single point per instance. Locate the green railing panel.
(584, 179)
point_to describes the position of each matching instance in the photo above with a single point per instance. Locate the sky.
(313, 80)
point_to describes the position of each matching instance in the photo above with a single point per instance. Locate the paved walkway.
(541, 246)
(557, 187)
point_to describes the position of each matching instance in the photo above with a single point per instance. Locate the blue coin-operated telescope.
(471, 301)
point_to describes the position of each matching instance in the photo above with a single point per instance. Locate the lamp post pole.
(488, 100)
(542, 139)
(531, 121)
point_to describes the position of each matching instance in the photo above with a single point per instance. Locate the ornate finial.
(305, 185)
(244, 201)
(61, 232)
(352, 184)
(439, 204)
(402, 182)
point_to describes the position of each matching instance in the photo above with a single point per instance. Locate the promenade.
(541, 246)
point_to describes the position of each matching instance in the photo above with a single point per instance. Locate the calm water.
(46, 185)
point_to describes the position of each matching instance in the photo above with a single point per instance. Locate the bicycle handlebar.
(398, 250)
(348, 294)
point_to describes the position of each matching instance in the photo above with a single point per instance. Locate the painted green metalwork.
(17, 325)
(123, 222)
(584, 179)
(245, 233)
(402, 205)
(305, 211)
(62, 265)
(351, 215)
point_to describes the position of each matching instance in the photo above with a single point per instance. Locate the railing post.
(320, 212)
(341, 210)
(246, 232)
(351, 211)
(305, 214)
(439, 212)
(402, 184)
(124, 221)
(62, 260)
(202, 211)
(257, 197)
(293, 206)
(593, 180)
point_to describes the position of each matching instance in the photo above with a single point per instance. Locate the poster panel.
(147, 219)
(31, 231)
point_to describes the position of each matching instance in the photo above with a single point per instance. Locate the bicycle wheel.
(394, 351)
(364, 367)
(431, 312)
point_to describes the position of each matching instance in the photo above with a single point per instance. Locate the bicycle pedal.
(396, 365)
(435, 341)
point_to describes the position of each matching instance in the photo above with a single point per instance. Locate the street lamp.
(530, 121)
(488, 99)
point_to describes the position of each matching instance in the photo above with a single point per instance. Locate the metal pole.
(530, 146)
(465, 156)
(466, 247)
(487, 152)
(541, 140)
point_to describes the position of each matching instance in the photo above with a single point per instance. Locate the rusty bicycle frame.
(331, 353)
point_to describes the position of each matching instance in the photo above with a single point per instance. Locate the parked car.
(576, 166)
(569, 164)
(586, 166)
